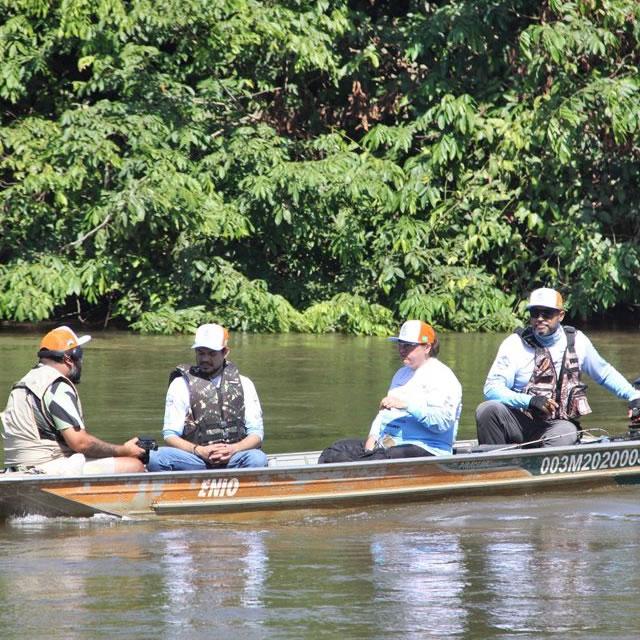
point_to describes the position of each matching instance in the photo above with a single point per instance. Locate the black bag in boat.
(345, 451)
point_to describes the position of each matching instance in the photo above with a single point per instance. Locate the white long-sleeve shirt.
(434, 401)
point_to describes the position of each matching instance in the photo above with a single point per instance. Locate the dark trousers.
(352, 450)
(498, 424)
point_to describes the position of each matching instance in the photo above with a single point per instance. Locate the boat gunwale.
(13, 478)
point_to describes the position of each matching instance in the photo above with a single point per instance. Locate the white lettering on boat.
(219, 488)
(590, 461)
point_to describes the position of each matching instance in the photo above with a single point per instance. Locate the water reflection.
(530, 567)
(420, 580)
(527, 567)
(549, 571)
(221, 573)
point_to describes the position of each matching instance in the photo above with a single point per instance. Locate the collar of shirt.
(552, 339)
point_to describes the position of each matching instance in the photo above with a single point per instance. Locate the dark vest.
(565, 388)
(217, 413)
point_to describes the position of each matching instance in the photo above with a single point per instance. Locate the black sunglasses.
(546, 313)
(406, 346)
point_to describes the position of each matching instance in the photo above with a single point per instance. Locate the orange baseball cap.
(416, 332)
(62, 339)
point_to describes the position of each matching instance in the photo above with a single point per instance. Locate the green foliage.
(350, 314)
(232, 301)
(462, 301)
(316, 166)
(30, 291)
(168, 320)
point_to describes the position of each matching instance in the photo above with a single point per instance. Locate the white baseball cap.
(545, 297)
(211, 336)
(417, 332)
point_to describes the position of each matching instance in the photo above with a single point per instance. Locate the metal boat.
(295, 481)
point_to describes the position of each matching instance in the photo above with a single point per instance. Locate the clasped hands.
(218, 453)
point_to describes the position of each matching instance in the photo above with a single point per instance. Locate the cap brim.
(83, 340)
(197, 345)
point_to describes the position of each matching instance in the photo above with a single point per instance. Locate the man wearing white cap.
(212, 414)
(420, 413)
(533, 389)
(43, 425)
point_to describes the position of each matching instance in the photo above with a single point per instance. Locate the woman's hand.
(391, 402)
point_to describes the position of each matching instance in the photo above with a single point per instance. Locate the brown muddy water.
(539, 566)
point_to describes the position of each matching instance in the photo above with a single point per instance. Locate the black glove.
(634, 407)
(537, 406)
(636, 383)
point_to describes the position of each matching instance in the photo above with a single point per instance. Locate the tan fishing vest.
(29, 434)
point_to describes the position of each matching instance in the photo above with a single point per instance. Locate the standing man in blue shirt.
(533, 389)
(212, 415)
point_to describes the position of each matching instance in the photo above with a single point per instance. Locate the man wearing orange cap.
(212, 416)
(43, 426)
(533, 389)
(420, 413)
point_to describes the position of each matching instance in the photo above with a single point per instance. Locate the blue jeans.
(172, 459)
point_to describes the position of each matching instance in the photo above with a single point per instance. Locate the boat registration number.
(590, 461)
(219, 488)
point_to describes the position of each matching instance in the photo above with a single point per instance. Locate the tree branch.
(81, 239)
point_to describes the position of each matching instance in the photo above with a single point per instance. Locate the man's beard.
(75, 373)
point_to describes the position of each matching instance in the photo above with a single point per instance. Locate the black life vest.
(565, 388)
(216, 413)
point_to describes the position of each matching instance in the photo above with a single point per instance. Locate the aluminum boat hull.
(296, 482)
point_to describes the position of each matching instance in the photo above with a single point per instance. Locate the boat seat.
(284, 460)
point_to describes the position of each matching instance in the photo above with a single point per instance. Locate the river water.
(533, 566)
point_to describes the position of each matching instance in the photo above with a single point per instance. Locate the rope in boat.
(603, 434)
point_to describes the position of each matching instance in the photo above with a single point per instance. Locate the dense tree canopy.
(317, 165)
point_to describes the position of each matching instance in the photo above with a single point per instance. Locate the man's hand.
(391, 402)
(542, 407)
(634, 411)
(219, 453)
(132, 449)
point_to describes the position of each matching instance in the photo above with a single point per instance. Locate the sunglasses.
(406, 346)
(546, 313)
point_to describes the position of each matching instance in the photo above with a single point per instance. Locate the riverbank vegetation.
(317, 165)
